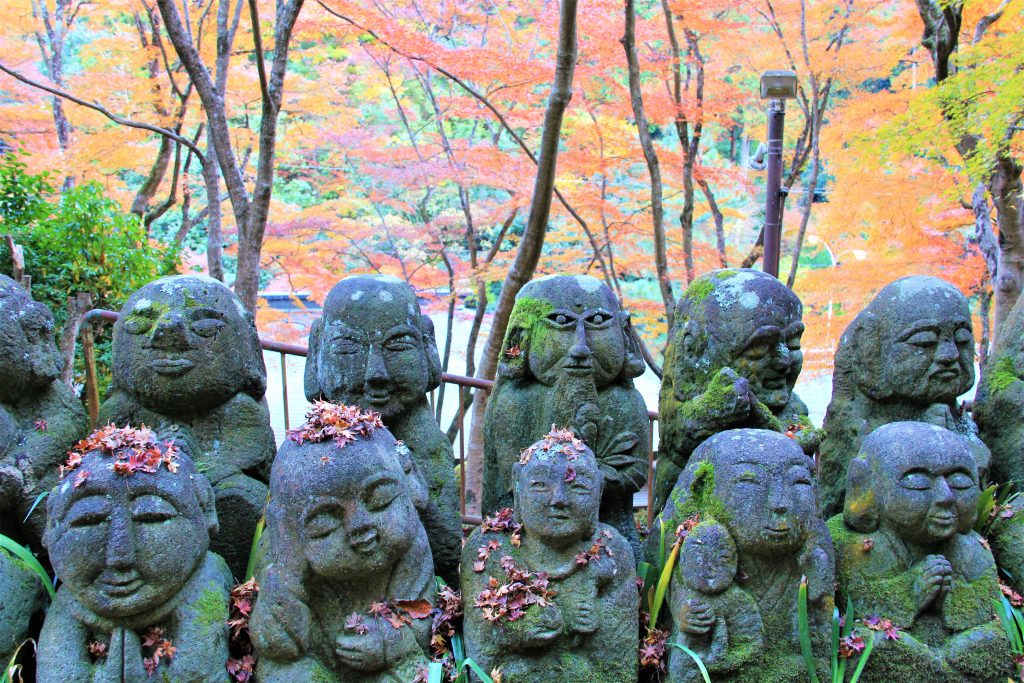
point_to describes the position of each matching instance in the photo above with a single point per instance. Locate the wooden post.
(92, 390)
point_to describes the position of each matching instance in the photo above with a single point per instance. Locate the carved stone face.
(558, 499)
(126, 544)
(764, 482)
(29, 359)
(185, 344)
(580, 333)
(351, 509)
(927, 481)
(926, 342)
(708, 559)
(373, 348)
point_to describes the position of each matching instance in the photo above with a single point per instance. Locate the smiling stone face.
(185, 344)
(29, 359)
(708, 560)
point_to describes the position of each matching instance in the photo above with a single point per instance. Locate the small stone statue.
(348, 587)
(568, 359)
(999, 406)
(187, 359)
(758, 485)
(907, 356)
(141, 597)
(374, 349)
(906, 552)
(731, 362)
(39, 416)
(705, 577)
(550, 592)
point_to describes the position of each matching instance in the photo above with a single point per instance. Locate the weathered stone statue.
(141, 597)
(999, 405)
(39, 416)
(348, 587)
(374, 349)
(732, 361)
(705, 578)
(906, 551)
(550, 594)
(758, 485)
(907, 356)
(569, 359)
(187, 359)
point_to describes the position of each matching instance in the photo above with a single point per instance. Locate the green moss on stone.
(699, 289)
(1002, 375)
(970, 602)
(527, 311)
(211, 609)
(702, 500)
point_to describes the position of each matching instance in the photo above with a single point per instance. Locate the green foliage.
(12, 670)
(26, 556)
(842, 633)
(1002, 375)
(1013, 625)
(696, 658)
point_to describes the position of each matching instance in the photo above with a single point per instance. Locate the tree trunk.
(716, 213)
(1006, 189)
(77, 306)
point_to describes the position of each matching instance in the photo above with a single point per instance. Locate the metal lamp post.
(776, 87)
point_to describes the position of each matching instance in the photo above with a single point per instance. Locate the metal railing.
(98, 315)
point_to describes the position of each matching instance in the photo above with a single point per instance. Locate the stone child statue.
(348, 587)
(731, 362)
(39, 416)
(568, 359)
(187, 359)
(141, 598)
(705, 577)
(758, 485)
(550, 592)
(374, 349)
(999, 406)
(907, 356)
(906, 551)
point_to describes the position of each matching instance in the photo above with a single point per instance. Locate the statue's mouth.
(774, 383)
(946, 375)
(778, 531)
(378, 398)
(942, 519)
(121, 587)
(172, 367)
(366, 543)
(578, 368)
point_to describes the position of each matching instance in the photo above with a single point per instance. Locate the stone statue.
(187, 359)
(39, 416)
(758, 485)
(706, 578)
(907, 356)
(141, 597)
(21, 595)
(568, 359)
(999, 405)
(348, 587)
(731, 362)
(906, 551)
(374, 349)
(550, 592)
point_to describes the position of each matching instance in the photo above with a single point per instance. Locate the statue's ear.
(512, 363)
(860, 511)
(312, 379)
(634, 364)
(207, 503)
(691, 343)
(255, 368)
(417, 487)
(430, 352)
(867, 354)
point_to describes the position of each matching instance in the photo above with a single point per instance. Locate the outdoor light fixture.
(776, 87)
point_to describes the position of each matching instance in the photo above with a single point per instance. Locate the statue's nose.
(580, 350)
(170, 332)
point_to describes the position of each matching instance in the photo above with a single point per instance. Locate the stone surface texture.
(999, 405)
(568, 359)
(187, 359)
(373, 348)
(906, 551)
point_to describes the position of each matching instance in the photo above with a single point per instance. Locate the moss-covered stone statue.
(999, 405)
(374, 349)
(906, 552)
(141, 597)
(40, 418)
(568, 359)
(348, 587)
(907, 356)
(732, 361)
(757, 485)
(187, 359)
(550, 592)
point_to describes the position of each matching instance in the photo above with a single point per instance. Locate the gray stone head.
(758, 484)
(915, 480)
(185, 344)
(372, 347)
(557, 490)
(129, 523)
(708, 559)
(913, 343)
(739, 318)
(569, 324)
(29, 359)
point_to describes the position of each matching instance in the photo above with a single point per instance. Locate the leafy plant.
(13, 669)
(696, 658)
(1013, 625)
(995, 500)
(26, 556)
(458, 651)
(845, 643)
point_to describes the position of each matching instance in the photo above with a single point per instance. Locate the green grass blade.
(13, 667)
(643, 570)
(696, 658)
(862, 662)
(835, 642)
(1001, 608)
(848, 619)
(663, 582)
(1018, 631)
(805, 633)
(26, 556)
(477, 670)
(37, 501)
(435, 672)
(254, 550)
(661, 542)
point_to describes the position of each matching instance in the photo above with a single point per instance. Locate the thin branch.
(257, 38)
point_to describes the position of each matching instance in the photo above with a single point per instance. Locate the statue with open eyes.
(732, 361)
(187, 359)
(568, 359)
(907, 552)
